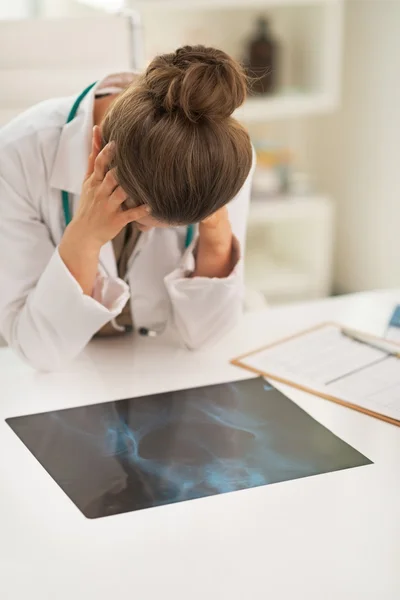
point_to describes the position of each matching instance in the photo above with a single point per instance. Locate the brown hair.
(177, 147)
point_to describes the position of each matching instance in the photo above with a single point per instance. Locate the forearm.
(214, 250)
(81, 257)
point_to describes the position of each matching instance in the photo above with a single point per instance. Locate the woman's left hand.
(214, 251)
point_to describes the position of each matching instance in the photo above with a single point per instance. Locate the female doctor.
(105, 245)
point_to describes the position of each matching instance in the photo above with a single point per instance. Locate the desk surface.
(330, 536)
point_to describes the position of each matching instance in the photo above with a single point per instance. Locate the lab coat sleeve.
(204, 309)
(44, 314)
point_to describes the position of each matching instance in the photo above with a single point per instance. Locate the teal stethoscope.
(159, 328)
(65, 194)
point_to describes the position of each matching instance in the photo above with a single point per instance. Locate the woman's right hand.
(99, 218)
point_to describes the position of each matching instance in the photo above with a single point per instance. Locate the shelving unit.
(284, 106)
(287, 208)
(289, 241)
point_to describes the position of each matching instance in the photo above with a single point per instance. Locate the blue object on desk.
(395, 318)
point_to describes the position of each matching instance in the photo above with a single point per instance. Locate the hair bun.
(197, 81)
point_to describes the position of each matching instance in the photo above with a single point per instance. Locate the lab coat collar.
(73, 150)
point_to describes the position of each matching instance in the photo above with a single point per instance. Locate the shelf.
(274, 279)
(289, 247)
(191, 5)
(287, 208)
(254, 110)
(283, 106)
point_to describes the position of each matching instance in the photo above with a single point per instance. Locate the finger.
(95, 150)
(109, 183)
(102, 161)
(134, 214)
(91, 161)
(118, 196)
(97, 139)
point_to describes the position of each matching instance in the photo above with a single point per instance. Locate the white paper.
(376, 388)
(393, 334)
(329, 362)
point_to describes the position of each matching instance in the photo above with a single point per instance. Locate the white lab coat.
(44, 314)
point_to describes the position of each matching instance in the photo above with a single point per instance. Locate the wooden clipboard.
(238, 362)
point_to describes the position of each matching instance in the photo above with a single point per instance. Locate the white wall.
(22, 9)
(356, 153)
(63, 8)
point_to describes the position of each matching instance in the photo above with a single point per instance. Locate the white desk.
(334, 536)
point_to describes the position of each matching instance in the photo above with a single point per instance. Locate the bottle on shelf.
(261, 61)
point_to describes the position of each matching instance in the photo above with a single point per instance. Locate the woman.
(111, 251)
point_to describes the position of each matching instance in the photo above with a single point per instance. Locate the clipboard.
(240, 361)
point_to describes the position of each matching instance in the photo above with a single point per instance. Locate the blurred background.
(324, 116)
